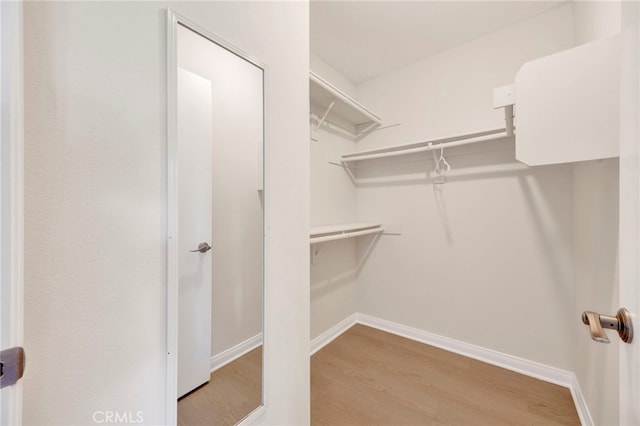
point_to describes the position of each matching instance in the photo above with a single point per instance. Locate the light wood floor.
(369, 377)
(234, 391)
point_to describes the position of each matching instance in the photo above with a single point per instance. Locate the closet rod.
(345, 235)
(337, 93)
(430, 145)
(334, 127)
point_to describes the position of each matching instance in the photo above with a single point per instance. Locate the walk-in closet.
(320, 212)
(464, 194)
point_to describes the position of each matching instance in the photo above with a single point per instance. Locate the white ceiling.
(363, 39)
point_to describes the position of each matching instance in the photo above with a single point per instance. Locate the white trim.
(581, 404)
(235, 352)
(12, 195)
(172, 21)
(335, 331)
(519, 365)
(172, 223)
(629, 226)
(529, 368)
(253, 416)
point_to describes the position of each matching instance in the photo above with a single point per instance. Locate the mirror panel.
(219, 138)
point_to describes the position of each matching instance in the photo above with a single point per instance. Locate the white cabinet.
(568, 105)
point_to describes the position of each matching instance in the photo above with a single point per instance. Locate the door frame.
(629, 237)
(174, 19)
(11, 198)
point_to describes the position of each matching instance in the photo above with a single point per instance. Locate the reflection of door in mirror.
(219, 133)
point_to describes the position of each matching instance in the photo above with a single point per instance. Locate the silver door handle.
(622, 323)
(202, 248)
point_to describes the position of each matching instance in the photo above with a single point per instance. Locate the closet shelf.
(501, 133)
(324, 233)
(334, 103)
(503, 97)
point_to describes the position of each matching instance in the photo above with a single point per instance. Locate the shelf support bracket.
(315, 249)
(505, 97)
(508, 119)
(324, 116)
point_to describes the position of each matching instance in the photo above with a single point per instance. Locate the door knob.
(622, 323)
(202, 248)
(12, 362)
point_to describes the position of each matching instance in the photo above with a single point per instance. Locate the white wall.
(333, 200)
(596, 198)
(593, 20)
(486, 258)
(333, 192)
(329, 73)
(334, 280)
(95, 285)
(237, 231)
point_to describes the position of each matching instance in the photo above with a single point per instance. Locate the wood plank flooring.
(234, 391)
(369, 377)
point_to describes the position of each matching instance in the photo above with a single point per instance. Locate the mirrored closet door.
(219, 110)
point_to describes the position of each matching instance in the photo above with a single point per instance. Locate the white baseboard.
(253, 416)
(328, 336)
(235, 352)
(519, 365)
(580, 403)
(529, 368)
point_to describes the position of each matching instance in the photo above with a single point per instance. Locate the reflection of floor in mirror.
(234, 391)
(367, 376)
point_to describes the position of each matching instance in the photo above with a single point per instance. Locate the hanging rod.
(335, 127)
(316, 240)
(429, 145)
(321, 234)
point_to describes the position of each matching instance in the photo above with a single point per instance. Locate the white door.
(630, 210)
(194, 152)
(11, 217)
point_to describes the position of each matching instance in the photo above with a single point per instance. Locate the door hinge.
(11, 366)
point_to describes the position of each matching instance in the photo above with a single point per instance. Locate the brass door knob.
(622, 323)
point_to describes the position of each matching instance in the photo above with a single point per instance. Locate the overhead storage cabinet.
(568, 105)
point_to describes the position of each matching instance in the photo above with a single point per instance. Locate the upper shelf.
(340, 109)
(503, 97)
(320, 234)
